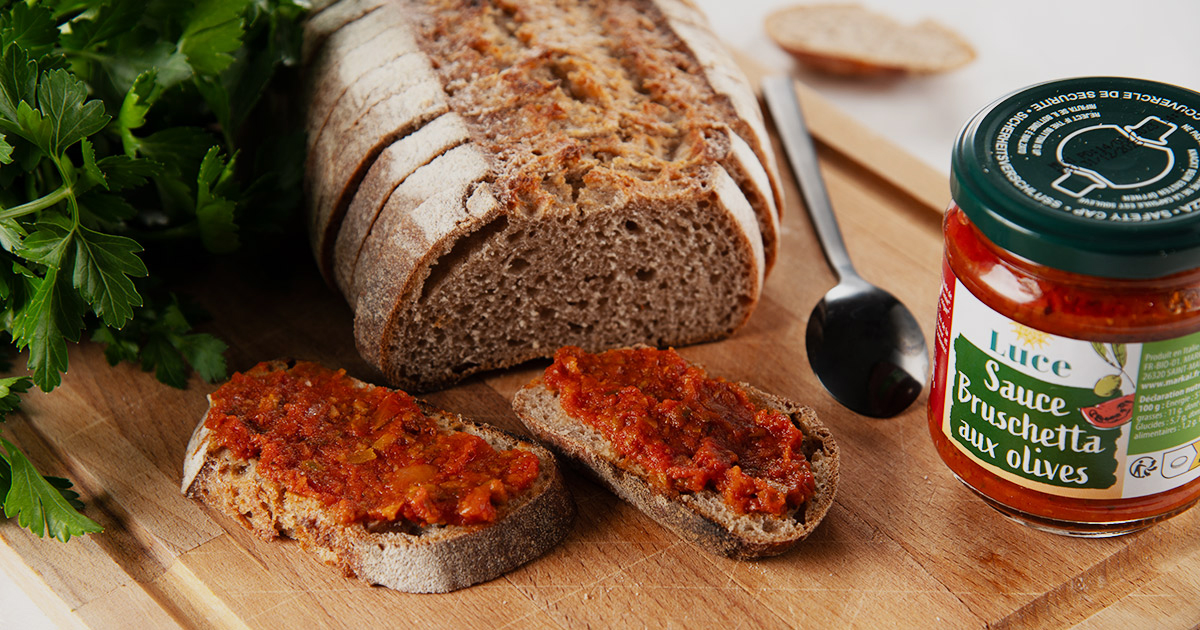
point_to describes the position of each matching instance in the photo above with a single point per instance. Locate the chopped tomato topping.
(689, 432)
(369, 453)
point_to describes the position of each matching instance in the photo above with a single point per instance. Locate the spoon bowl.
(865, 347)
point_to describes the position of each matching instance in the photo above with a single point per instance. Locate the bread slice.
(436, 189)
(357, 47)
(702, 518)
(327, 17)
(386, 89)
(405, 557)
(382, 183)
(726, 78)
(851, 40)
(477, 289)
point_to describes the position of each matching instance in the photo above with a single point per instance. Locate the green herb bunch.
(123, 140)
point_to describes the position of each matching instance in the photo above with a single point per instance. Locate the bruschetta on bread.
(735, 470)
(372, 481)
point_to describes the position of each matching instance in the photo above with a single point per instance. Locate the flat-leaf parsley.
(121, 136)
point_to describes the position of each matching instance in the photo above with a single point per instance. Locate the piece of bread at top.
(402, 556)
(628, 192)
(327, 17)
(702, 518)
(851, 40)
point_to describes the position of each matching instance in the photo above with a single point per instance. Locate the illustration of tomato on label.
(1110, 413)
(1119, 410)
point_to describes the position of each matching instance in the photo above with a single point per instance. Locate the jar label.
(1068, 417)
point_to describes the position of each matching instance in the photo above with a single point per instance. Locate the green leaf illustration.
(1120, 353)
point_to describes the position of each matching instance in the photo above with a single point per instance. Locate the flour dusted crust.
(702, 518)
(431, 559)
(518, 175)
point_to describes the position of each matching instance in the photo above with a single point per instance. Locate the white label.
(1065, 416)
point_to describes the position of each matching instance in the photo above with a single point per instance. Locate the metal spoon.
(863, 344)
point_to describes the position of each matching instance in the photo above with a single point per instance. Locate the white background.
(1019, 42)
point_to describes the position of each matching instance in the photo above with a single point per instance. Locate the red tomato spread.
(1070, 304)
(368, 453)
(689, 432)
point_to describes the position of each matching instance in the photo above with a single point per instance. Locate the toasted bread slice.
(400, 555)
(848, 39)
(703, 517)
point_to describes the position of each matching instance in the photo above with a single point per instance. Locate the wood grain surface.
(905, 545)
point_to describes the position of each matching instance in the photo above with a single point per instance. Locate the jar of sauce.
(1066, 385)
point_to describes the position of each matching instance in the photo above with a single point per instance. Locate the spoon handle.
(781, 99)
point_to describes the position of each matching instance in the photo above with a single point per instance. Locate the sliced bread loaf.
(399, 554)
(594, 174)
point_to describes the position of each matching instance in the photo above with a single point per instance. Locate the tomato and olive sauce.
(688, 432)
(368, 453)
(1067, 358)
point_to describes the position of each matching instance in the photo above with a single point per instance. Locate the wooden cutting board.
(905, 545)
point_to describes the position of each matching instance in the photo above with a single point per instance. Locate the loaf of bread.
(704, 517)
(849, 39)
(403, 555)
(488, 181)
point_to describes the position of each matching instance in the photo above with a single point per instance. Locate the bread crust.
(726, 78)
(364, 96)
(700, 518)
(435, 192)
(327, 17)
(358, 47)
(400, 160)
(432, 559)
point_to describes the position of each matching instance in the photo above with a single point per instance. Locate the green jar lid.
(1094, 175)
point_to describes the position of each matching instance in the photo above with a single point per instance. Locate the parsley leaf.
(91, 29)
(36, 503)
(10, 390)
(205, 353)
(163, 342)
(52, 317)
(64, 488)
(29, 26)
(218, 229)
(61, 99)
(135, 106)
(103, 266)
(122, 172)
(18, 81)
(213, 32)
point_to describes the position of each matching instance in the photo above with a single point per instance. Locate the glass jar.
(1066, 384)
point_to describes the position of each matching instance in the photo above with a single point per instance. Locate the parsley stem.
(41, 203)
